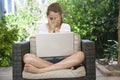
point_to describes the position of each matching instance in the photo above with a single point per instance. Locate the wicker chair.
(87, 46)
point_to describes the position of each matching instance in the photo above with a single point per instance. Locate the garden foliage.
(93, 19)
(15, 28)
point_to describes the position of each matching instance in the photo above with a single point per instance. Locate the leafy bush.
(111, 50)
(92, 19)
(8, 35)
(25, 19)
(15, 28)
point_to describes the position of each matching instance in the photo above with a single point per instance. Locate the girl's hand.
(58, 21)
(52, 23)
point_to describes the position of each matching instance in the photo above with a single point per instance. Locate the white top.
(43, 28)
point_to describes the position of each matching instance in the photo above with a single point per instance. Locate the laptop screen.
(54, 44)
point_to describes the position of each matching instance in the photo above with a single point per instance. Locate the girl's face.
(54, 17)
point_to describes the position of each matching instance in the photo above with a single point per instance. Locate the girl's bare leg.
(32, 59)
(68, 62)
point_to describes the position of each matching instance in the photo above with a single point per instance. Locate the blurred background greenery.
(96, 20)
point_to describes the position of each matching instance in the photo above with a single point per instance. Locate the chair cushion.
(64, 73)
(76, 43)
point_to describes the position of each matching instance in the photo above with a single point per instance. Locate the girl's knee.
(27, 58)
(81, 55)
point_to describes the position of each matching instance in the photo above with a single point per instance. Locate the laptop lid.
(54, 44)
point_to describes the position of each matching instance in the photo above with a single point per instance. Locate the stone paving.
(6, 74)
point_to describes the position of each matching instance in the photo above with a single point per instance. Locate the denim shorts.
(54, 59)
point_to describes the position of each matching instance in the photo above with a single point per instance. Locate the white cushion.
(32, 44)
(77, 43)
(64, 73)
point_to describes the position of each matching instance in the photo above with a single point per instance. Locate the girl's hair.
(55, 7)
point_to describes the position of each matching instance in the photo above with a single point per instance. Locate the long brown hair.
(55, 7)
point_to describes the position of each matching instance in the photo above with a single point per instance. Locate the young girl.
(34, 64)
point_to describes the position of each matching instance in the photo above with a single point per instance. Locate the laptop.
(54, 44)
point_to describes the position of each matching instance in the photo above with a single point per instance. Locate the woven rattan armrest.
(18, 50)
(88, 47)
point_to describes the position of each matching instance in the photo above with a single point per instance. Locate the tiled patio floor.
(6, 74)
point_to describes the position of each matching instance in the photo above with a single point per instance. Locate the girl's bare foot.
(31, 69)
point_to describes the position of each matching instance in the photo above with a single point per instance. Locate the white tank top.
(42, 28)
